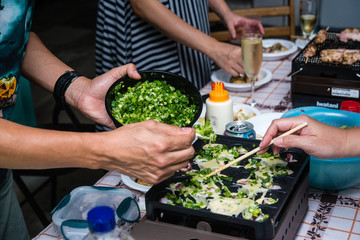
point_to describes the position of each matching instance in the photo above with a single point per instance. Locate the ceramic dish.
(248, 112)
(279, 55)
(130, 182)
(262, 122)
(220, 75)
(300, 43)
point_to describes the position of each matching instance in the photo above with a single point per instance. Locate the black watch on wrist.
(62, 85)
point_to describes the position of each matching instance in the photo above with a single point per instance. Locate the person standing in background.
(168, 35)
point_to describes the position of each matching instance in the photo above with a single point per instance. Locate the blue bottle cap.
(101, 219)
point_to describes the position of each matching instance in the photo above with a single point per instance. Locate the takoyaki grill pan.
(237, 226)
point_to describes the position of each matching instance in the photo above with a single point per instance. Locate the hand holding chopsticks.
(255, 150)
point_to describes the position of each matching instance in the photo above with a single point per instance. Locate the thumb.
(128, 69)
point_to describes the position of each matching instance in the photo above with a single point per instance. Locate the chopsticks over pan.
(255, 150)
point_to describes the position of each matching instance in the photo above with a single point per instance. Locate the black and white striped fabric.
(122, 37)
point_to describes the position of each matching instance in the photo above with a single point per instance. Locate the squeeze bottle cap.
(218, 93)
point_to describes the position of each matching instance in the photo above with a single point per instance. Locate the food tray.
(230, 225)
(315, 67)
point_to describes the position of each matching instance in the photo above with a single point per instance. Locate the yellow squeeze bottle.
(219, 108)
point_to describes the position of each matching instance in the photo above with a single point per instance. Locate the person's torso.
(123, 37)
(15, 24)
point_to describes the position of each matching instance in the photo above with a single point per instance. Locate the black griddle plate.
(230, 225)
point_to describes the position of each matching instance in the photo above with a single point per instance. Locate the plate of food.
(243, 112)
(136, 184)
(241, 83)
(276, 49)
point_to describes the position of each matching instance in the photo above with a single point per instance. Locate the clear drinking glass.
(252, 52)
(307, 17)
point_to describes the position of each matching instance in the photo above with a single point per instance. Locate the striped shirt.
(122, 37)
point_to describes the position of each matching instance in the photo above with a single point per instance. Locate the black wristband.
(62, 85)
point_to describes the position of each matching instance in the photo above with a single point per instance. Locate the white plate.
(220, 75)
(128, 181)
(262, 122)
(279, 55)
(300, 43)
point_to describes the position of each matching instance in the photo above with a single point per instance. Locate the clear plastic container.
(219, 108)
(127, 213)
(71, 213)
(81, 200)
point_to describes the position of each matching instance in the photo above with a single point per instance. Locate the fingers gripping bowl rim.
(178, 82)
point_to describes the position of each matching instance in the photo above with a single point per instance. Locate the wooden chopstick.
(255, 150)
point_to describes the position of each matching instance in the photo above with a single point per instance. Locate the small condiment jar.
(219, 108)
(350, 105)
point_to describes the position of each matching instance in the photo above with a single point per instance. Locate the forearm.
(24, 147)
(153, 154)
(220, 7)
(352, 142)
(44, 68)
(40, 65)
(172, 26)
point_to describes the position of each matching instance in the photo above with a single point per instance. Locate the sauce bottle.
(219, 108)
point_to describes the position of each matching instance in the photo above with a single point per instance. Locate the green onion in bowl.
(160, 96)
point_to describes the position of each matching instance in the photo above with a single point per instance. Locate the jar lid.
(218, 93)
(350, 105)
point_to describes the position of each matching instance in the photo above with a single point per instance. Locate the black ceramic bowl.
(178, 82)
